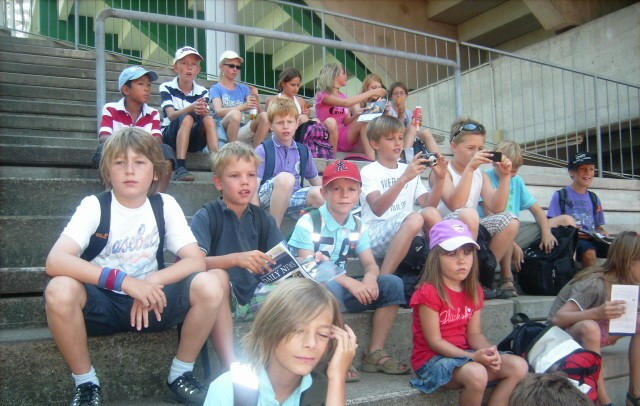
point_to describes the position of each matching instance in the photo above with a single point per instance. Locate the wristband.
(111, 279)
(102, 282)
(119, 279)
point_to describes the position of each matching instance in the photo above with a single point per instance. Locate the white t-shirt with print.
(376, 177)
(133, 236)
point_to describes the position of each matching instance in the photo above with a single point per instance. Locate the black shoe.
(87, 394)
(186, 389)
(490, 294)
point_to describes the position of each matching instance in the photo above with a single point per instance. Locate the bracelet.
(119, 279)
(102, 282)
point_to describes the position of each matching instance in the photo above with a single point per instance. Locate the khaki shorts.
(245, 134)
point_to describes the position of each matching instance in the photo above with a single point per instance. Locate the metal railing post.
(101, 64)
(457, 82)
(598, 131)
(76, 24)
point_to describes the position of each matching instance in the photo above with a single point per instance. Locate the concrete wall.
(526, 101)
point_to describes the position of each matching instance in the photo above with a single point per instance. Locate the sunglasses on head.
(232, 66)
(470, 127)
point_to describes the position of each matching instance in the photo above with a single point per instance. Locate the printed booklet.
(287, 265)
(373, 110)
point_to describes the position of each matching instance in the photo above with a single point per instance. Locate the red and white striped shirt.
(116, 117)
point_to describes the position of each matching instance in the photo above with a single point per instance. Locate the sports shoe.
(186, 389)
(182, 175)
(87, 394)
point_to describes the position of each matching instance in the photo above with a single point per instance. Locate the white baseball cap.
(229, 55)
(184, 51)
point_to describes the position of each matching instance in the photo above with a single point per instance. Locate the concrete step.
(29, 91)
(44, 50)
(35, 41)
(50, 107)
(44, 138)
(27, 352)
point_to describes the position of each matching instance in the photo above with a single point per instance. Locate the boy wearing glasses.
(231, 99)
(188, 124)
(463, 187)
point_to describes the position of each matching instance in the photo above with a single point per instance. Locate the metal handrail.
(259, 32)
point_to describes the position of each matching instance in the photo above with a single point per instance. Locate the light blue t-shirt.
(230, 98)
(336, 233)
(519, 196)
(221, 391)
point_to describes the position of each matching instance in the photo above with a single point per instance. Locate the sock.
(181, 163)
(178, 368)
(88, 377)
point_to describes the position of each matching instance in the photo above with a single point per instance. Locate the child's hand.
(547, 242)
(611, 310)
(377, 93)
(360, 291)
(371, 282)
(489, 357)
(140, 314)
(201, 107)
(254, 91)
(440, 169)
(480, 157)
(503, 167)
(148, 293)
(346, 345)
(254, 261)
(251, 103)
(415, 168)
(320, 257)
(517, 258)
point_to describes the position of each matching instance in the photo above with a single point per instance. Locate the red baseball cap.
(341, 170)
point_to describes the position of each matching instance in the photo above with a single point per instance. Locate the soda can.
(417, 117)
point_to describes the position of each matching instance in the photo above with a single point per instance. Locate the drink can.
(253, 112)
(417, 117)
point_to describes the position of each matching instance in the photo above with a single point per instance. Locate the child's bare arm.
(569, 314)
(437, 179)
(430, 322)
(200, 107)
(455, 197)
(345, 349)
(191, 261)
(496, 199)
(348, 102)
(64, 260)
(223, 111)
(317, 181)
(548, 241)
(475, 337)
(254, 261)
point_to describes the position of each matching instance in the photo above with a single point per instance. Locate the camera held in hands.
(497, 156)
(431, 158)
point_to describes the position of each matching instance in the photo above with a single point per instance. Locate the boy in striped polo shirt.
(133, 111)
(188, 124)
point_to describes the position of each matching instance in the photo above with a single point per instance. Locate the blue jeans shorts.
(107, 312)
(391, 294)
(197, 136)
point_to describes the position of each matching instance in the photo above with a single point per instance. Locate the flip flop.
(634, 401)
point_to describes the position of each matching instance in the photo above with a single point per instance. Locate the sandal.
(352, 375)
(508, 285)
(371, 363)
(632, 400)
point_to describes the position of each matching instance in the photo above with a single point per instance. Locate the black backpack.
(524, 332)
(546, 273)
(214, 211)
(412, 265)
(99, 239)
(270, 160)
(487, 262)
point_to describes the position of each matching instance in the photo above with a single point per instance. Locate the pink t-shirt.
(324, 111)
(453, 320)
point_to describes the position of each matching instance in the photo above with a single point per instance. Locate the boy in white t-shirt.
(389, 191)
(119, 284)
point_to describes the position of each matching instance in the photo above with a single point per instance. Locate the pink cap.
(341, 170)
(450, 235)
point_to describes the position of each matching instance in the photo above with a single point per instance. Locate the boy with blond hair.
(248, 233)
(521, 199)
(465, 184)
(188, 124)
(338, 236)
(389, 191)
(285, 164)
(108, 279)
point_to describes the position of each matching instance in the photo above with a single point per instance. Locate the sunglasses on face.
(470, 127)
(232, 66)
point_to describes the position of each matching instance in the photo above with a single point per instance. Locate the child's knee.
(62, 292)
(431, 215)
(284, 182)
(412, 223)
(206, 288)
(234, 116)
(512, 227)
(208, 119)
(314, 197)
(588, 330)
(187, 121)
(392, 287)
(331, 123)
(589, 256)
(475, 376)
(223, 277)
(469, 216)
(516, 366)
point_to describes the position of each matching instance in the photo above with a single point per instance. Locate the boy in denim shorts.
(281, 190)
(341, 235)
(120, 285)
(389, 191)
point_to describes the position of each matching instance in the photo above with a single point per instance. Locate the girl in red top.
(449, 348)
(332, 108)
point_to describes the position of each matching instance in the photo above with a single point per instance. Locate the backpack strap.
(269, 160)
(303, 151)
(99, 239)
(316, 394)
(562, 192)
(157, 205)
(351, 240)
(316, 236)
(594, 202)
(214, 211)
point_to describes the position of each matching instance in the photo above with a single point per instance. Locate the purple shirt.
(288, 160)
(580, 207)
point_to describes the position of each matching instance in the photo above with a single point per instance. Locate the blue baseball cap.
(133, 73)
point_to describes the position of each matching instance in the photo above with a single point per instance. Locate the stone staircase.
(47, 137)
